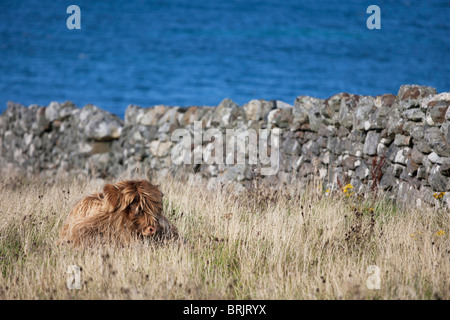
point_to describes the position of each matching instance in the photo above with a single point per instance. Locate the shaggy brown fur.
(124, 210)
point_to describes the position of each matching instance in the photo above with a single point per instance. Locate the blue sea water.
(192, 52)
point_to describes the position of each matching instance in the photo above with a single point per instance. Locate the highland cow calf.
(124, 210)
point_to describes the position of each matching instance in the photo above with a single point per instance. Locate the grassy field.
(261, 244)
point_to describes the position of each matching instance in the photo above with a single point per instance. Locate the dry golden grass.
(262, 244)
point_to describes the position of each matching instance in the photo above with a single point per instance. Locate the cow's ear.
(113, 196)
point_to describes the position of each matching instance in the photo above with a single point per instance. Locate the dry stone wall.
(400, 143)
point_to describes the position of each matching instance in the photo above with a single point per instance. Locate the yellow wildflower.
(347, 189)
(440, 233)
(438, 195)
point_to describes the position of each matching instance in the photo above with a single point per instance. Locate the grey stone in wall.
(371, 143)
